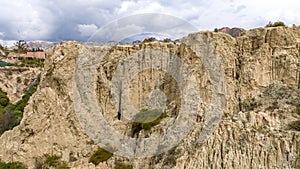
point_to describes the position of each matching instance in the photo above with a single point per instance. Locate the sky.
(57, 20)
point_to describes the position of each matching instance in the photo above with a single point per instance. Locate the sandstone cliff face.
(15, 80)
(261, 70)
(266, 55)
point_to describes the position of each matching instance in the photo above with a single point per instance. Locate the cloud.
(150, 23)
(87, 30)
(25, 20)
(2, 34)
(54, 19)
(239, 8)
(77, 19)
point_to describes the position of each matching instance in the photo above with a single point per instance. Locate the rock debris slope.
(257, 129)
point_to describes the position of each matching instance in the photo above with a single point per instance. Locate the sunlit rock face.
(260, 70)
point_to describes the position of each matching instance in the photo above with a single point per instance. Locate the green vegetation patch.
(275, 24)
(51, 162)
(150, 39)
(11, 114)
(100, 155)
(31, 62)
(146, 119)
(120, 165)
(32, 89)
(12, 165)
(4, 100)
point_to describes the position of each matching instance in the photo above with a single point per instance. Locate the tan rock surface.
(262, 73)
(15, 80)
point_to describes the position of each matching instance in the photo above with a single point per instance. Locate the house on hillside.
(12, 55)
(34, 55)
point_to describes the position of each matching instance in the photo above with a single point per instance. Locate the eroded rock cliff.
(15, 80)
(261, 71)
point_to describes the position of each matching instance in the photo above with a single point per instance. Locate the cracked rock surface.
(257, 128)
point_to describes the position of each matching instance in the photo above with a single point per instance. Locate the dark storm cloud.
(52, 20)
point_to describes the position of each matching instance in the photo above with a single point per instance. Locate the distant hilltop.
(234, 32)
(44, 45)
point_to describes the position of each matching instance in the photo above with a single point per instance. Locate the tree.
(167, 40)
(5, 50)
(4, 100)
(279, 23)
(275, 24)
(21, 46)
(150, 39)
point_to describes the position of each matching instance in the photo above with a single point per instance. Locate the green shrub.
(31, 62)
(279, 23)
(100, 155)
(120, 165)
(4, 100)
(167, 40)
(12, 165)
(62, 165)
(20, 105)
(275, 24)
(3, 110)
(54, 161)
(145, 120)
(150, 39)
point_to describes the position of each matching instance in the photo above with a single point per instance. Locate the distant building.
(12, 55)
(35, 55)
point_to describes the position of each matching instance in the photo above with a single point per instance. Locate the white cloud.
(149, 23)
(2, 34)
(116, 32)
(87, 30)
(25, 20)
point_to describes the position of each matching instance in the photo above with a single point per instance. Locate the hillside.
(15, 80)
(44, 45)
(228, 103)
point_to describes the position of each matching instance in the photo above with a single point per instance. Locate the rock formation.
(15, 80)
(234, 32)
(261, 71)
